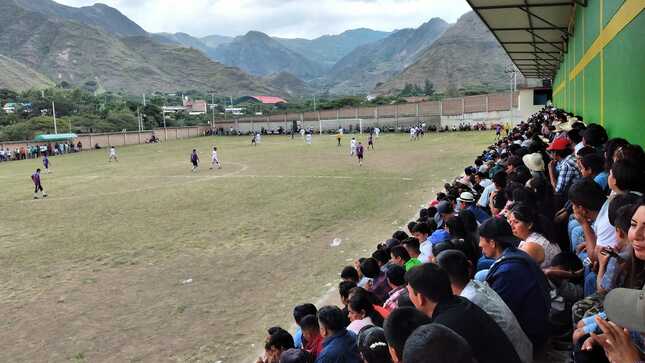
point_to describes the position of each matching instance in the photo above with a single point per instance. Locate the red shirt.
(315, 347)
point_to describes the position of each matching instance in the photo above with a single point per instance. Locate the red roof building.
(267, 100)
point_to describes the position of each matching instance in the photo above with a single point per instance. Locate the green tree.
(428, 88)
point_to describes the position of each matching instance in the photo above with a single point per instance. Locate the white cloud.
(286, 18)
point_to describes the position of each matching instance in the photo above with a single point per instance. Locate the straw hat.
(534, 161)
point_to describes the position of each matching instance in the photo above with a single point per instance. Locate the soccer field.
(141, 260)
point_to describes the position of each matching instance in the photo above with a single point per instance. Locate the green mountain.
(329, 49)
(261, 55)
(80, 54)
(363, 68)
(99, 15)
(289, 84)
(214, 41)
(466, 55)
(185, 40)
(18, 77)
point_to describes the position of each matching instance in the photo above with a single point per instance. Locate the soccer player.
(370, 142)
(309, 138)
(413, 133)
(253, 140)
(359, 153)
(35, 177)
(194, 159)
(339, 136)
(352, 147)
(46, 163)
(113, 154)
(215, 159)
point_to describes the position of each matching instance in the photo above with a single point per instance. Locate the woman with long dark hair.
(525, 226)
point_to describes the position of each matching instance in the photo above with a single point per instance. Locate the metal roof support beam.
(533, 52)
(581, 2)
(560, 28)
(544, 40)
(525, 9)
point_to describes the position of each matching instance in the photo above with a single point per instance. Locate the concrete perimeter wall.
(121, 138)
(488, 109)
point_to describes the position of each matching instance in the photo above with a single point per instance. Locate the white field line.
(190, 179)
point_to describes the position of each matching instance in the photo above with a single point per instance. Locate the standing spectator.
(339, 344)
(562, 169)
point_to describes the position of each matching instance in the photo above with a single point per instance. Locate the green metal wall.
(610, 90)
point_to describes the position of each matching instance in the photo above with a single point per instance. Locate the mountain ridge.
(364, 67)
(466, 55)
(76, 53)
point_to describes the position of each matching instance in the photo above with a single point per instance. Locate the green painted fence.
(602, 75)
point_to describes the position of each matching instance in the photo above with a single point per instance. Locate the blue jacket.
(479, 213)
(521, 284)
(340, 348)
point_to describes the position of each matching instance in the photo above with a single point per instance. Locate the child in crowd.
(311, 335)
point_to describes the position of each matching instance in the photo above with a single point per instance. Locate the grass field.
(97, 272)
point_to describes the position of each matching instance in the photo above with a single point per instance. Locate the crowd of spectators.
(538, 246)
(34, 151)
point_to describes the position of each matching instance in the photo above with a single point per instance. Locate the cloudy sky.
(285, 18)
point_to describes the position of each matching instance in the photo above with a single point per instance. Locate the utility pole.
(54, 114)
(513, 84)
(144, 100)
(165, 131)
(213, 107)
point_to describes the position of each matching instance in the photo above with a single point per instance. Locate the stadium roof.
(532, 32)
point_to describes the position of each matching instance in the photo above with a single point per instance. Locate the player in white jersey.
(112, 155)
(215, 159)
(377, 131)
(352, 147)
(413, 133)
(308, 138)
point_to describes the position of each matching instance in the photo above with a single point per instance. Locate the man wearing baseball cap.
(563, 170)
(444, 211)
(517, 279)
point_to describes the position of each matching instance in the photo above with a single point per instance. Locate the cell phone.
(610, 252)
